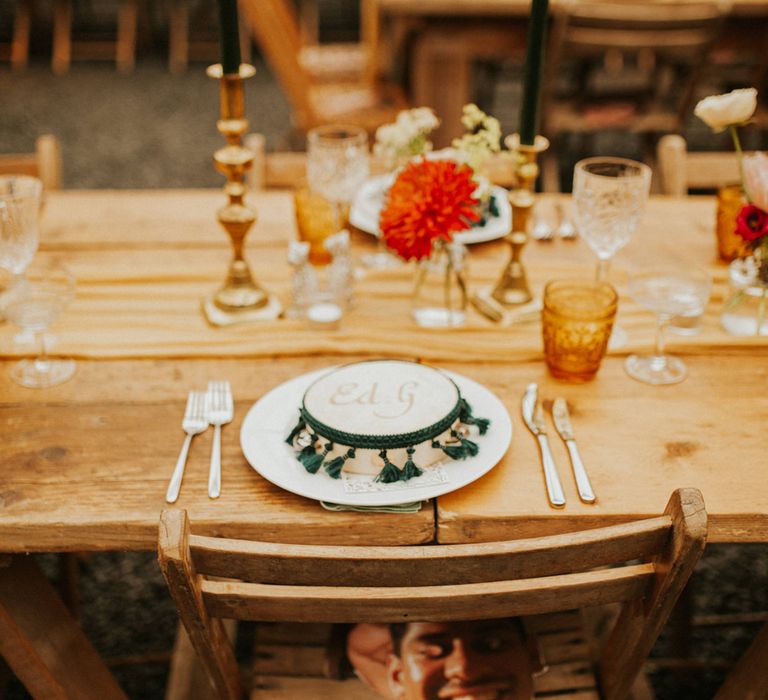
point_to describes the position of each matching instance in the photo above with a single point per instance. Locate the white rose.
(721, 111)
(755, 169)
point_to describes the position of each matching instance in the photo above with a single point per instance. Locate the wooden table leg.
(43, 644)
(749, 678)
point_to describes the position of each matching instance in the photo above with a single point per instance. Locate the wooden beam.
(43, 644)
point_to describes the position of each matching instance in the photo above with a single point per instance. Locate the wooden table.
(86, 464)
(447, 36)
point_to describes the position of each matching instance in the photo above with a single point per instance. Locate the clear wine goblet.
(667, 292)
(19, 213)
(337, 164)
(33, 304)
(609, 197)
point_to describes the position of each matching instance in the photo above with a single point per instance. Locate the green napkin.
(413, 507)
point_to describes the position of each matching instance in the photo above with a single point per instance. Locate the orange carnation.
(429, 200)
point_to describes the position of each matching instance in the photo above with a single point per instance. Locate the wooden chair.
(185, 40)
(17, 50)
(44, 163)
(635, 66)
(122, 49)
(211, 578)
(310, 77)
(680, 170)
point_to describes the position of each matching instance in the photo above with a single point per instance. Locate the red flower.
(429, 200)
(752, 223)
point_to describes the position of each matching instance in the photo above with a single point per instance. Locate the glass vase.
(745, 311)
(440, 290)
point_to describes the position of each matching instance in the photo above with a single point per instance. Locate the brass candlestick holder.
(512, 287)
(240, 298)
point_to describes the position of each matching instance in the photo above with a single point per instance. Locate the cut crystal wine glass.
(609, 197)
(33, 304)
(667, 291)
(19, 212)
(337, 164)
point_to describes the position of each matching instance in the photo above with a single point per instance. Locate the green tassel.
(470, 448)
(464, 449)
(296, 430)
(310, 459)
(466, 417)
(409, 468)
(313, 460)
(334, 467)
(454, 451)
(390, 473)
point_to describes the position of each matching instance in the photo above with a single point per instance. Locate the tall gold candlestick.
(512, 287)
(240, 296)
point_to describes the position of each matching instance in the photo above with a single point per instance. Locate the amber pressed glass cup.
(577, 320)
(730, 245)
(315, 221)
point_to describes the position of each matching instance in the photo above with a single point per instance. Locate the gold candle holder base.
(240, 297)
(512, 288)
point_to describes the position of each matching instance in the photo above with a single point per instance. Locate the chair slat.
(309, 565)
(496, 599)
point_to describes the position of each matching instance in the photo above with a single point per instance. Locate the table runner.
(144, 260)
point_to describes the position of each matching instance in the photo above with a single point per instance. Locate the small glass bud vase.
(745, 312)
(440, 290)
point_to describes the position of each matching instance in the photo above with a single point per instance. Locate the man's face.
(485, 660)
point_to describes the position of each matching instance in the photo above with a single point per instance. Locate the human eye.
(494, 643)
(433, 650)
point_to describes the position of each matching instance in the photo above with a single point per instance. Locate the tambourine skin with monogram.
(390, 419)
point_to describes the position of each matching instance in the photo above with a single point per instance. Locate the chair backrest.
(274, 27)
(681, 170)
(44, 163)
(655, 31)
(307, 583)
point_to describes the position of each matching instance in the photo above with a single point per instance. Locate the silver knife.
(534, 419)
(562, 420)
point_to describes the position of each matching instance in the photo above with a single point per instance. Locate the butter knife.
(534, 419)
(562, 420)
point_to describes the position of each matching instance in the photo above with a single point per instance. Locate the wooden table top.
(85, 465)
(510, 8)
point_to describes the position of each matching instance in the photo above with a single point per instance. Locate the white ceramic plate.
(364, 213)
(270, 419)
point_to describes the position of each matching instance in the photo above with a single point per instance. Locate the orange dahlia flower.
(430, 200)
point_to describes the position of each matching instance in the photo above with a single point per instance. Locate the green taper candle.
(229, 37)
(534, 56)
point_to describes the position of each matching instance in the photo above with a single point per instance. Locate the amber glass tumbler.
(577, 320)
(315, 221)
(730, 246)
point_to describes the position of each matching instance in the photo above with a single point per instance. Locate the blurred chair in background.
(680, 170)
(121, 48)
(632, 66)
(192, 33)
(323, 83)
(44, 163)
(17, 50)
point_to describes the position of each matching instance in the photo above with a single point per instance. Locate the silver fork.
(220, 412)
(193, 423)
(565, 229)
(542, 231)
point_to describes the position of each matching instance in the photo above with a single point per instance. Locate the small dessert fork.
(220, 412)
(193, 423)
